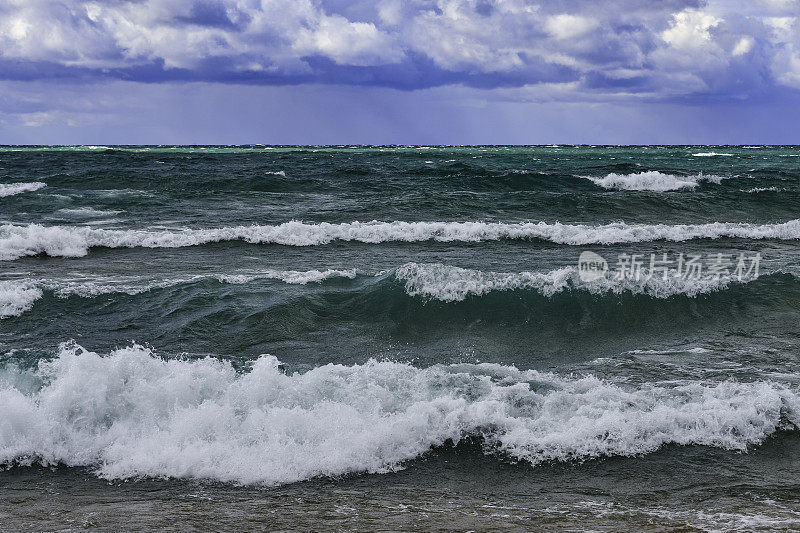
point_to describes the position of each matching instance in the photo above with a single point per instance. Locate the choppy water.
(398, 337)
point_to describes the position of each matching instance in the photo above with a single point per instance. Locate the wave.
(651, 181)
(132, 287)
(378, 292)
(451, 284)
(70, 241)
(18, 296)
(131, 414)
(293, 277)
(711, 154)
(448, 284)
(10, 189)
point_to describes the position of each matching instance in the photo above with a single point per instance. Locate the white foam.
(651, 181)
(276, 173)
(133, 414)
(762, 189)
(779, 518)
(711, 154)
(88, 212)
(75, 241)
(696, 350)
(17, 296)
(451, 284)
(10, 189)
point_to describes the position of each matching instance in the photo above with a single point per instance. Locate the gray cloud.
(579, 49)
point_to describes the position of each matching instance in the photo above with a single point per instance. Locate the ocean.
(397, 338)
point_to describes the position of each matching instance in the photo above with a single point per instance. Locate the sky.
(399, 71)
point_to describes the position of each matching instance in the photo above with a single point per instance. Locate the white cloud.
(566, 26)
(744, 45)
(608, 47)
(690, 29)
(349, 43)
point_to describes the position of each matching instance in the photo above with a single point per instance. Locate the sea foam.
(10, 189)
(75, 241)
(132, 414)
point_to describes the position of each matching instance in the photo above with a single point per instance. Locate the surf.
(131, 414)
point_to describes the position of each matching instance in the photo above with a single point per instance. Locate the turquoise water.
(399, 336)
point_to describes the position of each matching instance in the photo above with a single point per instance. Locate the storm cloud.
(399, 71)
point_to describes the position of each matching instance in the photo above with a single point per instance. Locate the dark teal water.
(398, 337)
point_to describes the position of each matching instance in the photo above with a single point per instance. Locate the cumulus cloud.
(566, 26)
(648, 50)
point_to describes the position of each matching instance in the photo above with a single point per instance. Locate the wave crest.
(133, 414)
(451, 284)
(71, 241)
(18, 296)
(651, 181)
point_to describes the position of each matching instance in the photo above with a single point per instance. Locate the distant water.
(399, 337)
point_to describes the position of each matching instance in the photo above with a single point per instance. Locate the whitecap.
(10, 189)
(652, 181)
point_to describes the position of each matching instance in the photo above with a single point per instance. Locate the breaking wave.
(430, 282)
(651, 181)
(75, 241)
(131, 414)
(452, 284)
(18, 296)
